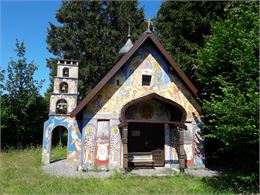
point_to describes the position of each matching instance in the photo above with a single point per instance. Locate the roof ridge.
(123, 60)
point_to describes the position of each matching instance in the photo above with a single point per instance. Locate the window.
(65, 72)
(146, 80)
(61, 107)
(63, 87)
(103, 128)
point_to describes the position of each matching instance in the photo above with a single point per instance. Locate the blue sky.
(28, 21)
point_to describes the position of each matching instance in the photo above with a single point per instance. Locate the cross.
(149, 22)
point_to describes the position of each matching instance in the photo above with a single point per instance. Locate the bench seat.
(141, 159)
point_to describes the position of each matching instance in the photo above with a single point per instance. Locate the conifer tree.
(181, 28)
(92, 32)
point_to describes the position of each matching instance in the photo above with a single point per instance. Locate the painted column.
(181, 150)
(125, 151)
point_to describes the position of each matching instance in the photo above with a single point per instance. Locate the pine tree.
(181, 28)
(92, 32)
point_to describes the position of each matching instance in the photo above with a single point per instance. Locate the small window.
(103, 128)
(63, 87)
(65, 72)
(146, 80)
(61, 107)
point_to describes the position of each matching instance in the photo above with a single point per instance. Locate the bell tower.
(65, 88)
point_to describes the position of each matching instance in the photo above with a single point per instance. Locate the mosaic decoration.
(74, 137)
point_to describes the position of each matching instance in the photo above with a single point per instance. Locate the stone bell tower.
(65, 89)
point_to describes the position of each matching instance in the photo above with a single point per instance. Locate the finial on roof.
(129, 30)
(149, 22)
(128, 45)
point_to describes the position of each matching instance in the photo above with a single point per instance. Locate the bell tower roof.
(128, 45)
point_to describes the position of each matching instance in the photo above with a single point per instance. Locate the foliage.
(182, 26)
(21, 174)
(20, 115)
(228, 71)
(58, 153)
(92, 32)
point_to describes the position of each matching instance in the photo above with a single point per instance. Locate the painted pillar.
(125, 150)
(181, 150)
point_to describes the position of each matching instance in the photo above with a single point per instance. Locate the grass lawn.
(20, 174)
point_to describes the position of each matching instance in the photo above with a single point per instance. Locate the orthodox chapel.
(143, 113)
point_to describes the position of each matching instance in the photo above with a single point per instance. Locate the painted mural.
(74, 137)
(113, 97)
(125, 86)
(100, 144)
(150, 109)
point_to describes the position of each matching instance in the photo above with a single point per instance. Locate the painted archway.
(74, 137)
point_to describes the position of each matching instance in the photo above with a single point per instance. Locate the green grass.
(20, 174)
(58, 152)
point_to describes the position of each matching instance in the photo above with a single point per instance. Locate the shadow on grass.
(234, 182)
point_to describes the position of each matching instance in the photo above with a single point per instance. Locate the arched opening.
(64, 87)
(65, 72)
(59, 142)
(61, 106)
(144, 121)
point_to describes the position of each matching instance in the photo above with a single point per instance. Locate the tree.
(23, 109)
(181, 28)
(92, 32)
(228, 70)
(1, 92)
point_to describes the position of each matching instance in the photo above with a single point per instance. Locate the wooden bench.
(141, 159)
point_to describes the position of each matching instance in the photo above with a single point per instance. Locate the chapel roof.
(145, 37)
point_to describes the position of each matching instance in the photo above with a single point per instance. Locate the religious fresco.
(115, 147)
(88, 146)
(199, 153)
(101, 144)
(113, 97)
(126, 86)
(150, 109)
(74, 137)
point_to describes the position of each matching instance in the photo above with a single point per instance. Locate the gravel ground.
(157, 171)
(69, 169)
(203, 172)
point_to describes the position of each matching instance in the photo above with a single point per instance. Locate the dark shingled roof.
(123, 60)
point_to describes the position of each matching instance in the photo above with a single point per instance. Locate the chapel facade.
(144, 112)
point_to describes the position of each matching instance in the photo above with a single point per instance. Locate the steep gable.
(146, 37)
